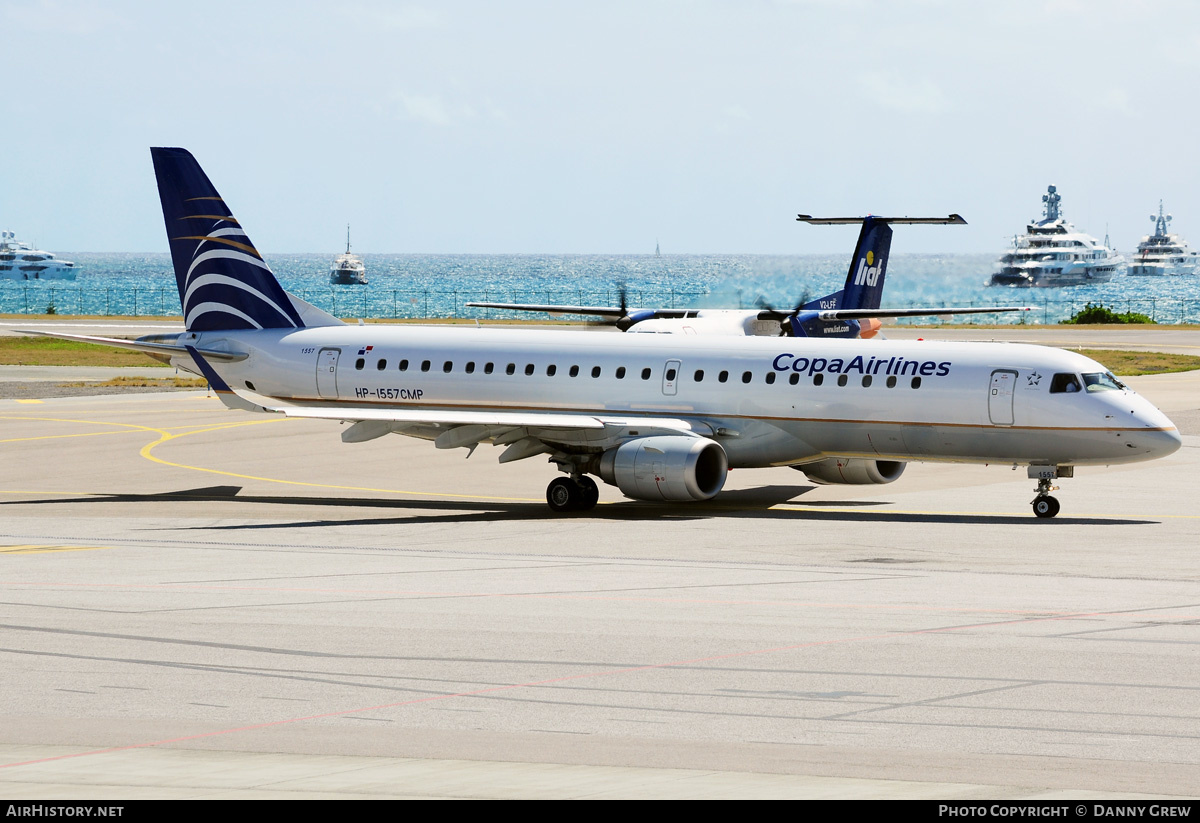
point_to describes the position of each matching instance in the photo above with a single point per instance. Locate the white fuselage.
(767, 401)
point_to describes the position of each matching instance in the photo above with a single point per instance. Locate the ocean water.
(437, 286)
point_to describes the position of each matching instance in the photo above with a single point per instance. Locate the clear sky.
(600, 127)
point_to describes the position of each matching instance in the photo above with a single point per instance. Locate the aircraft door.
(1000, 397)
(670, 378)
(327, 360)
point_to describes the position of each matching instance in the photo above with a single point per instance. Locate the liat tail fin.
(864, 281)
(224, 283)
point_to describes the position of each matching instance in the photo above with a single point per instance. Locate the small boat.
(348, 269)
(19, 261)
(1163, 253)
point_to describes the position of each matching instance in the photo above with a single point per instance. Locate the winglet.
(226, 394)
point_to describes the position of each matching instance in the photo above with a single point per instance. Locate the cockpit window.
(1102, 381)
(1064, 382)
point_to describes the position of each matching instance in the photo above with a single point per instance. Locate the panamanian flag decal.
(367, 350)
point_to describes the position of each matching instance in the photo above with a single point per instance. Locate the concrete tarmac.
(201, 603)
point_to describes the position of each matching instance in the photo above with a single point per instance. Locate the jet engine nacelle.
(666, 467)
(852, 471)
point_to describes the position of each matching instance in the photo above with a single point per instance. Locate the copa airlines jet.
(662, 417)
(852, 311)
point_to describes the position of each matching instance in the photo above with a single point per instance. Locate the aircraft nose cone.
(1159, 437)
(1163, 443)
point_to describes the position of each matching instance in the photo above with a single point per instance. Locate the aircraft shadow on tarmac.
(746, 503)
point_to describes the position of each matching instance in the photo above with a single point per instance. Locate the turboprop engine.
(666, 467)
(851, 471)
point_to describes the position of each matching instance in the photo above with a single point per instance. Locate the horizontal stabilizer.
(140, 345)
(952, 219)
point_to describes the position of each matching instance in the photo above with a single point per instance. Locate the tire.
(563, 495)
(589, 494)
(1045, 507)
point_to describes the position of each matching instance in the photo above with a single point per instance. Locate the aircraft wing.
(533, 421)
(859, 314)
(434, 417)
(611, 312)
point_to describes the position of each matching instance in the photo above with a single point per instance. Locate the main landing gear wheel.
(1045, 506)
(589, 494)
(566, 494)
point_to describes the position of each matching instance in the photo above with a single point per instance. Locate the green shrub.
(1099, 313)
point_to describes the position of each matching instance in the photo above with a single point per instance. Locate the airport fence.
(435, 304)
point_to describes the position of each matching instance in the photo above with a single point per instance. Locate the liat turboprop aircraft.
(852, 311)
(662, 417)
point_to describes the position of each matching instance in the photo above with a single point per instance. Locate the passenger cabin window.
(470, 367)
(722, 377)
(403, 365)
(595, 371)
(699, 375)
(916, 382)
(510, 368)
(746, 376)
(528, 368)
(842, 380)
(891, 382)
(424, 365)
(487, 368)
(359, 363)
(670, 374)
(573, 371)
(645, 374)
(620, 372)
(1064, 382)
(866, 380)
(382, 364)
(794, 378)
(551, 370)
(448, 366)
(770, 378)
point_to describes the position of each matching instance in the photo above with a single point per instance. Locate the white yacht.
(19, 261)
(1163, 253)
(348, 269)
(1052, 252)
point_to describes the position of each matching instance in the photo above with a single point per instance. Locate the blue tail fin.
(224, 283)
(864, 282)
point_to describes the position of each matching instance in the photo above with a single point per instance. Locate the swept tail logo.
(218, 281)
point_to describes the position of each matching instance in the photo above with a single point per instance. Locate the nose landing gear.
(1045, 506)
